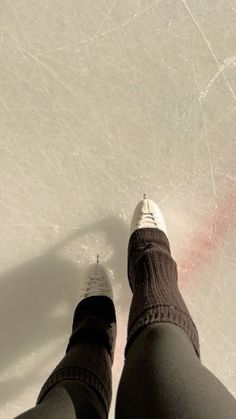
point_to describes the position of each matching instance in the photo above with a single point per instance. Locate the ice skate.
(147, 215)
(97, 282)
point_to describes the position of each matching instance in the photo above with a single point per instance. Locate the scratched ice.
(100, 102)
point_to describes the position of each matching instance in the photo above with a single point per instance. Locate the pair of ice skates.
(97, 279)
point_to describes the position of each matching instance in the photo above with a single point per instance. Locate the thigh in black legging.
(163, 378)
(68, 400)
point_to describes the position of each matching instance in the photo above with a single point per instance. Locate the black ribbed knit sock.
(153, 279)
(90, 352)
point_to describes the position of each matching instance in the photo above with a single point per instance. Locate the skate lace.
(148, 217)
(94, 283)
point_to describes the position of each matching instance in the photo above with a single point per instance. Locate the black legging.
(162, 378)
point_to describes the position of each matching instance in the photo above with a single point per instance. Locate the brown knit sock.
(153, 279)
(90, 352)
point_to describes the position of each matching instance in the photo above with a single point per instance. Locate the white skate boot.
(147, 215)
(97, 282)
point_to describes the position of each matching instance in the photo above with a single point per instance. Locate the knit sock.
(153, 279)
(90, 351)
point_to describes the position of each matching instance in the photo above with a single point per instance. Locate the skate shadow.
(37, 302)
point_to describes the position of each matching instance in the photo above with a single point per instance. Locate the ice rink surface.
(101, 101)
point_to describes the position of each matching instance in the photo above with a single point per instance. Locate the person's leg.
(68, 400)
(81, 385)
(163, 376)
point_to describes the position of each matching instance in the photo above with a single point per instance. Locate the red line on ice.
(202, 245)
